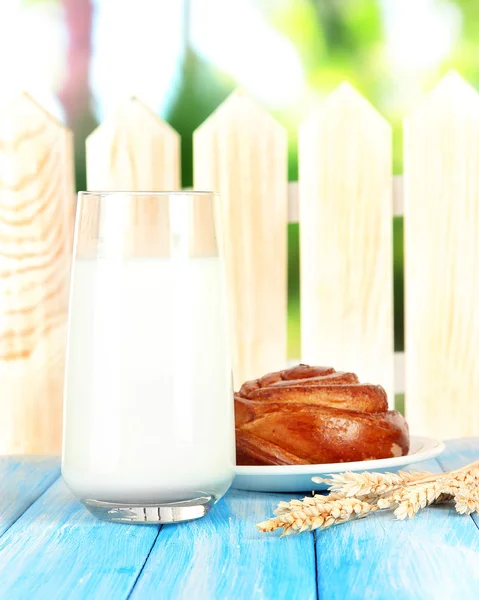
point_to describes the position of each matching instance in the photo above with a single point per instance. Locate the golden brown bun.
(315, 415)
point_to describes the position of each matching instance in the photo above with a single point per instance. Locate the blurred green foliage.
(202, 88)
(294, 314)
(336, 40)
(398, 282)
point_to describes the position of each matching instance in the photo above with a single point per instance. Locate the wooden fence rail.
(344, 201)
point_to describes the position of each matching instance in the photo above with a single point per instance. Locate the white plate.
(297, 478)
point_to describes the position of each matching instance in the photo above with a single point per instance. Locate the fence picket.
(346, 238)
(240, 151)
(345, 206)
(441, 154)
(133, 150)
(36, 201)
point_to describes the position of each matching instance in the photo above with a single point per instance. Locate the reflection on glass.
(148, 425)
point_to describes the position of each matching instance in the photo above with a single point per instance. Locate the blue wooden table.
(51, 547)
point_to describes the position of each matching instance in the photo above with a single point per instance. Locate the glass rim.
(146, 193)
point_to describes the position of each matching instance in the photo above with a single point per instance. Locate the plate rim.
(431, 448)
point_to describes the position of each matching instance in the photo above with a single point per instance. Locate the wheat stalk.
(317, 516)
(407, 501)
(369, 484)
(467, 500)
(294, 505)
(357, 495)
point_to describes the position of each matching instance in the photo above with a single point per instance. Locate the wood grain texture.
(58, 550)
(133, 150)
(23, 479)
(36, 212)
(224, 556)
(346, 238)
(441, 188)
(435, 555)
(240, 151)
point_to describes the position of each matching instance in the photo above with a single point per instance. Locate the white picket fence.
(344, 204)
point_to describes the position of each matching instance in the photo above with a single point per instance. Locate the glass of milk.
(148, 431)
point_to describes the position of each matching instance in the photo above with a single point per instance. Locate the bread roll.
(315, 415)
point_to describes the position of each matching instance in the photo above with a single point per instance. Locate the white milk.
(148, 396)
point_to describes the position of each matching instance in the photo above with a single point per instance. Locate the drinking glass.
(148, 432)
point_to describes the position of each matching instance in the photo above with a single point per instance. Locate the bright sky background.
(217, 33)
(420, 34)
(235, 36)
(32, 49)
(232, 34)
(129, 59)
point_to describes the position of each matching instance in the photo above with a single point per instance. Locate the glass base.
(151, 514)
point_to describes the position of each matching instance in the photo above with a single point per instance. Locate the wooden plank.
(133, 150)
(224, 556)
(36, 193)
(399, 375)
(441, 224)
(240, 151)
(434, 555)
(459, 452)
(22, 480)
(398, 195)
(293, 202)
(346, 238)
(57, 550)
